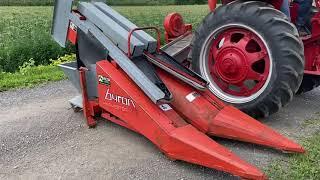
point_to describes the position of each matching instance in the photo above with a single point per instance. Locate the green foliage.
(180, 2)
(27, 66)
(30, 75)
(25, 31)
(140, 2)
(301, 166)
(154, 15)
(63, 59)
(33, 76)
(26, 44)
(110, 2)
(26, 2)
(25, 34)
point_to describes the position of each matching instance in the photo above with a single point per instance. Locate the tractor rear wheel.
(251, 55)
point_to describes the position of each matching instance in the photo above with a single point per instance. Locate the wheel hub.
(238, 63)
(231, 66)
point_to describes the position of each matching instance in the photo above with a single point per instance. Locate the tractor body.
(253, 58)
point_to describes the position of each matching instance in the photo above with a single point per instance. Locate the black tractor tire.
(309, 83)
(282, 38)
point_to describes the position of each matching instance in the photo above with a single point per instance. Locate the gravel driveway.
(42, 138)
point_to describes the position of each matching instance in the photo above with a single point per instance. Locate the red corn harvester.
(125, 77)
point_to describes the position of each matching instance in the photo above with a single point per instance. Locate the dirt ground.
(42, 138)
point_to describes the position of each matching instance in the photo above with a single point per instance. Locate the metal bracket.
(62, 11)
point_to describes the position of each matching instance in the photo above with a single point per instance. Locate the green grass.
(110, 2)
(25, 31)
(30, 75)
(26, 2)
(298, 167)
(313, 122)
(34, 76)
(154, 15)
(301, 166)
(25, 34)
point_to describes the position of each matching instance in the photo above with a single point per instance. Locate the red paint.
(123, 103)
(165, 128)
(312, 48)
(212, 117)
(179, 129)
(212, 4)
(72, 30)
(232, 60)
(72, 33)
(175, 27)
(317, 2)
(294, 11)
(89, 107)
(311, 45)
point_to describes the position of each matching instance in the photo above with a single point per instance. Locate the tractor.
(251, 54)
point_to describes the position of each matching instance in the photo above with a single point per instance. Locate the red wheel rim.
(239, 62)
